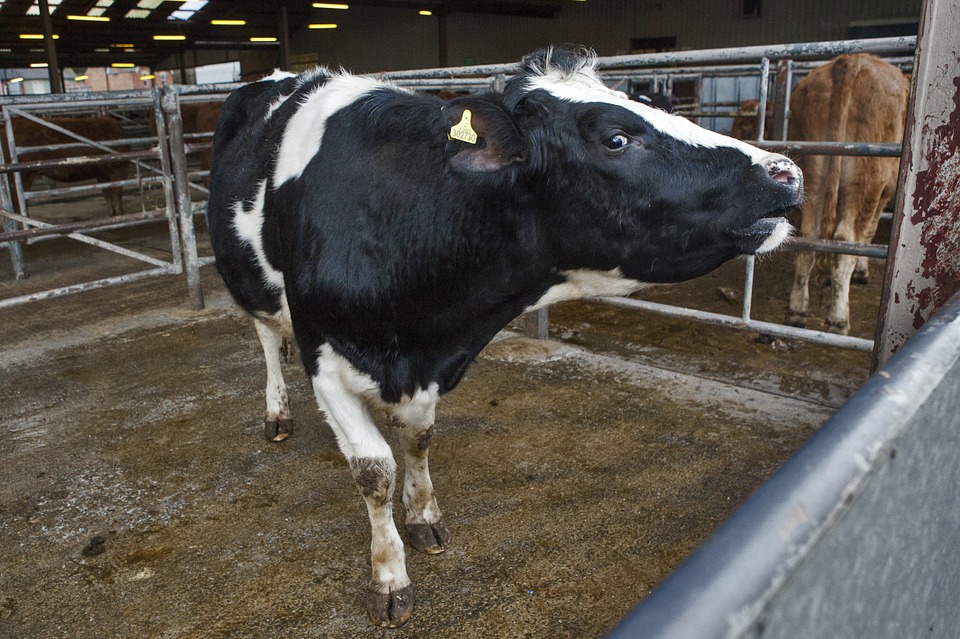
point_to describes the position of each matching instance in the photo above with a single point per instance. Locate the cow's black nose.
(783, 170)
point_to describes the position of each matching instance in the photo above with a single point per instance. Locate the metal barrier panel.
(855, 536)
(171, 177)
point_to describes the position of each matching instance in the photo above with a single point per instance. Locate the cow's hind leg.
(425, 528)
(340, 394)
(800, 292)
(277, 423)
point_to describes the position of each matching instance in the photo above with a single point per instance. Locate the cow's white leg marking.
(425, 530)
(272, 330)
(342, 394)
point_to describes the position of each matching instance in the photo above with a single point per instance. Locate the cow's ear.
(481, 135)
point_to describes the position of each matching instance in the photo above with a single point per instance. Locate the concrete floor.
(138, 497)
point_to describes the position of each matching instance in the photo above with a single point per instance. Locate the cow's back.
(877, 94)
(854, 98)
(29, 133)
(244, 154)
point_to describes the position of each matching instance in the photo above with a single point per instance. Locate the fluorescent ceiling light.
(123, 65)
(228, 23)
(263, 39)
(81, 78)
(426, 13)
(12, 80)
(169, 37)
(149, 76)
(89, 18)
(327, 5)
(322, 26)
(35, 36)
(38, 65)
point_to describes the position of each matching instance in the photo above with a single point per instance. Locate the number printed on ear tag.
(462, 130)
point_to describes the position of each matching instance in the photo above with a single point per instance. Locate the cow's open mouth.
(764, 235)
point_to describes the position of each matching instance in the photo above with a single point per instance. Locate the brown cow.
(856, 97)
(29, 133)
(745, 125)
(197, 117)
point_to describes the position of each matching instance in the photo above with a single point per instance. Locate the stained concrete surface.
(139, 499)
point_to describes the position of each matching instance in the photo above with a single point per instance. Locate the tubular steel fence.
(774, 65)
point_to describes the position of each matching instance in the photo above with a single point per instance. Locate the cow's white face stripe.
(248, 225)
(584, 88)
(304, 131)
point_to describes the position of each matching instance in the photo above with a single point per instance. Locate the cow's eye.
(617, 142)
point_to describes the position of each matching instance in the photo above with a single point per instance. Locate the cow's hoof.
(840, 328)
(796, 319)
(431, 539)
(277, 430)
(392, 609)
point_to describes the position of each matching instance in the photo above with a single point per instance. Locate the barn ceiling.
(119, 24)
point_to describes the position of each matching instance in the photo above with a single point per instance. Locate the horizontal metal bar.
(777, 330)
(870, 149)
(835, 246)
(91, 240)
(120, 221)
(86, 286)
(57, 100)
(80, 160)
(802, 51)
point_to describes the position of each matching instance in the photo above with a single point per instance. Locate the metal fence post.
(178, 157)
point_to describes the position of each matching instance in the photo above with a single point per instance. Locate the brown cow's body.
(201, 117)
(29, 133)
(857, 98)
(745, 126)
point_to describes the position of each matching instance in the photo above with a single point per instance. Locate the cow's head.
(625, 185)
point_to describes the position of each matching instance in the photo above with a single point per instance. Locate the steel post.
(188, 236)
(924, 269)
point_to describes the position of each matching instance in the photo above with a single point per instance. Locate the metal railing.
(776, 62)
(18, 223)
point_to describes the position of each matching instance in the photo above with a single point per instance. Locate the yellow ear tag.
(462, 130)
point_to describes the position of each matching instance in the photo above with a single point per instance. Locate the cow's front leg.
(340, 390)
(425, 528)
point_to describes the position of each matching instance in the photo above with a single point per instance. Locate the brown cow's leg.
(803, 267)
(425, 528)
(857, 218)
(114, 197)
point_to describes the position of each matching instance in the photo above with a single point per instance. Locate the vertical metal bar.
(14, 158)
(169, 195)
(53, 66)
(781, 98)
(6, 200)
(188, 236)
(923, 270)
(443, 46)
(16, 249)
(748, 287)
(536, 323)
(786, 100)
(764, 90)
(284, 29)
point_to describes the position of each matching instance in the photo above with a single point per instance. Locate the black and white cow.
(393, 235)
